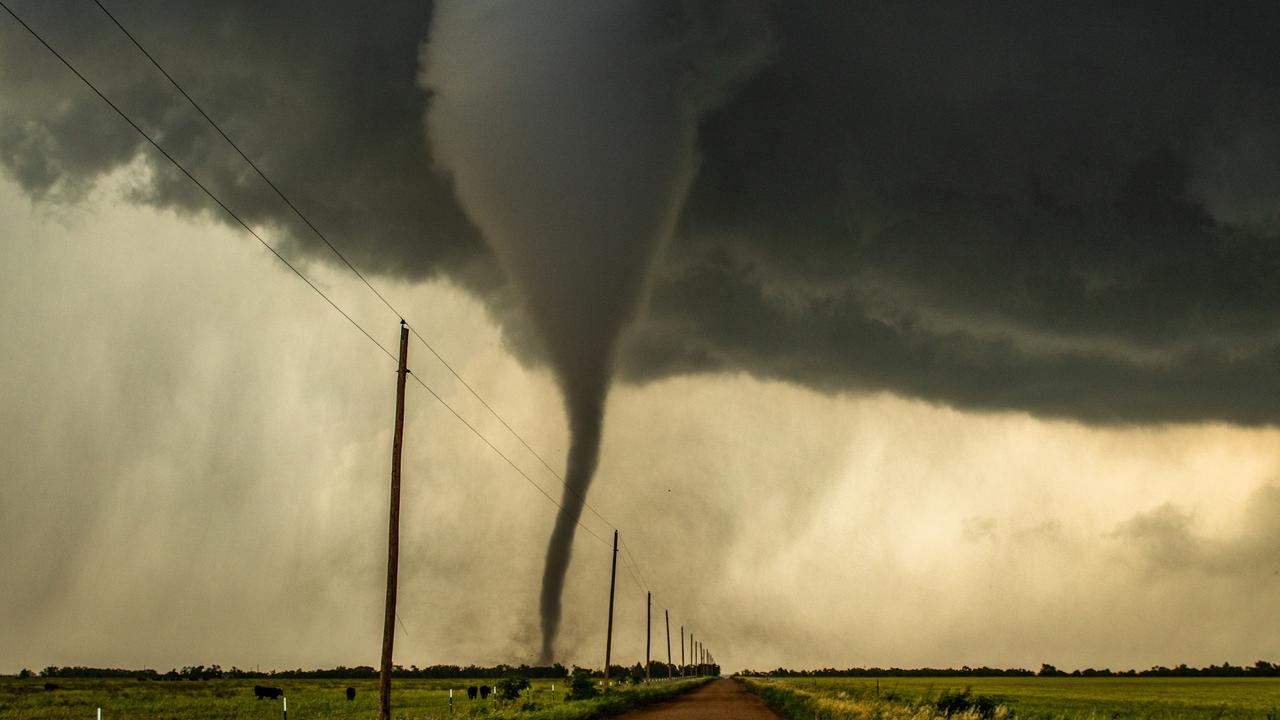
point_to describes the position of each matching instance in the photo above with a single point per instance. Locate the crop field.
(412, 699)
(1036, 698)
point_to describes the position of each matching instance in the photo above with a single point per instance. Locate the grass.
(412, 699)
(1028, 698)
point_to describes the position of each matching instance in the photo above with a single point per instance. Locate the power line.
(629, 559)
(240, 152)
(640, 580)
(268, 246)
(297, 211)
(627, 550)
(193, 179)
(634, 578)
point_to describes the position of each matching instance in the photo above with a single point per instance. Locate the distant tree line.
(215, 672)
(634, 673)
(1260, 668)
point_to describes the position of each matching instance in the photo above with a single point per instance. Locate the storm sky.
(960, 344)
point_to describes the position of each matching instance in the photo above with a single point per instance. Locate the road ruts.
(721, 699)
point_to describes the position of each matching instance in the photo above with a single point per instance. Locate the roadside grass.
(796, 703)
(1028, 698)
(412, 699)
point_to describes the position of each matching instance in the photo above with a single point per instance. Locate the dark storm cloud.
(1037, 206)
(322, 96)
(1069, 209)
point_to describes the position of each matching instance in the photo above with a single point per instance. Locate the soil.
(721, 699)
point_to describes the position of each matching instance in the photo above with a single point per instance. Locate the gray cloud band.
(1064, 210)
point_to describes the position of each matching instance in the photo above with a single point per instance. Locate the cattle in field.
(50, 686)
(471, 693)
(484, 692)
(351, 693)
(267, 692)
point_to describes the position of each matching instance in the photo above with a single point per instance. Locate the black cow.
(471, 693)
(50, 686)
(267, 692)
(484, 692)
(351, 693)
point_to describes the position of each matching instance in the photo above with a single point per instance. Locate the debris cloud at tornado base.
(570, 133)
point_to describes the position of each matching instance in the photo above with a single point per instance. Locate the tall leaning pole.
(667, 617)
(681, 651)
(648, 631)
(393, 535)
(608, 641)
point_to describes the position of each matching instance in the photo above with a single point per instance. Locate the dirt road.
(718, 700)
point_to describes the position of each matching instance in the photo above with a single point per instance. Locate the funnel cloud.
(569, 132)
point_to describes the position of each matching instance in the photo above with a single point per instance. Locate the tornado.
(569, 132)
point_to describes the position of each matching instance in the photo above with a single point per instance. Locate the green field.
(412, 699)
(1034, 698)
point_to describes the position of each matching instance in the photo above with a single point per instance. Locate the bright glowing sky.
(196, 451)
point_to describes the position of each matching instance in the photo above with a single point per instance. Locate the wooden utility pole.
(692, 658)
(681, 651)
(393, 535)
(608, 641)
(667, 617)
(648, 631)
